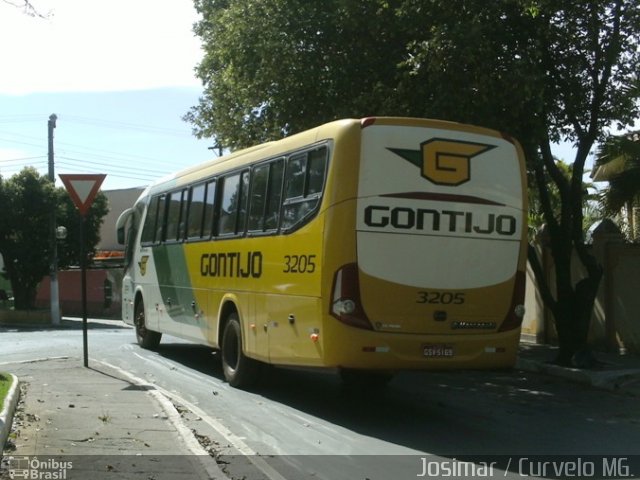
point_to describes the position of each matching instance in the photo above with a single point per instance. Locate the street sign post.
(83, 190)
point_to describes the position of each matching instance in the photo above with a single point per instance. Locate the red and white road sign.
(82, 189)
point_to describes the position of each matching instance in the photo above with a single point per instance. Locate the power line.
(78, 157)
(24, 143)
(22, 118)
(8, 160)
(124, 126)
(111, 167)
(110, 154)
(100, 122)
(145, 179)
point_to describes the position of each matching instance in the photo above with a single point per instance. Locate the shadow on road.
(469, 413)
(68, 324)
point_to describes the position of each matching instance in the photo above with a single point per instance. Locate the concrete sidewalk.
(614, 372)
(103, 425)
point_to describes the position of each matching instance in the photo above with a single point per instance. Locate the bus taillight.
(516, 311)
(345, 299)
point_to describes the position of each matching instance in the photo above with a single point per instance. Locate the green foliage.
(27, 200)
(277, 67)
(5, 384)
(591, 209)
(621, 154)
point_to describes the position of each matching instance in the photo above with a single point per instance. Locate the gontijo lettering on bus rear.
(440, 220)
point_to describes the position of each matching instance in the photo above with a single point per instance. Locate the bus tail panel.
(440, 223)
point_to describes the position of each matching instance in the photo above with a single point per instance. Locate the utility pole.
(217, 146)
(53, 244)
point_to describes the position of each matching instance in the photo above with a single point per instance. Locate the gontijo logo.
(446, 162)
(443, 161)
(142, 264)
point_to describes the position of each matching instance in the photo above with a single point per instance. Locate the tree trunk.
(24, 292)
(574, 303)
(572, 314)
(23, 297)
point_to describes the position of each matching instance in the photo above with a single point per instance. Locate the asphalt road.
(306, 418)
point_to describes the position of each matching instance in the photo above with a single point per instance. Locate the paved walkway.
(105, 426)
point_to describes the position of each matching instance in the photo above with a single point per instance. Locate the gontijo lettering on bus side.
(231, 264)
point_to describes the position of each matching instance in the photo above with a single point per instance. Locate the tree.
(27, 8)
(591, 209)
(277, 67)
(618, 161)
(27, 200)
(539, 70)
(574, 60)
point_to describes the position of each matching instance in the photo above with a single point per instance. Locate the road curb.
(625, 381)
(6, 416)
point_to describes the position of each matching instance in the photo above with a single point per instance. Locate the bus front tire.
(147, 339)
(239, 370)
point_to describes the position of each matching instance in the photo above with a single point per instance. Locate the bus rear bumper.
(426, 352)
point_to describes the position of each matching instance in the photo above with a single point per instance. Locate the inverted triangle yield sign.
(82, 189)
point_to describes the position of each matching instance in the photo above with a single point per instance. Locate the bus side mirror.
(121, 224)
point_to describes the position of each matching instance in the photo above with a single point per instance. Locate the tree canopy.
(541, 71)
(27, 200)
(525, 67)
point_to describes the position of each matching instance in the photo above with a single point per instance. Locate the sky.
(119, 75)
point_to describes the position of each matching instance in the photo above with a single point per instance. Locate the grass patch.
(5, 383)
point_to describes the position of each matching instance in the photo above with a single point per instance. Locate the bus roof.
(280, 147)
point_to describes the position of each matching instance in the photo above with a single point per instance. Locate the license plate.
(437, 350)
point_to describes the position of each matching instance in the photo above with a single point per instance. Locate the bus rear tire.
(239, 370)
(147, 339)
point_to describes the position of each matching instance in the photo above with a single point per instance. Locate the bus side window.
(266, 192)
(161, 223)
(304, 183)
(196, 211)
(207, 227)
(241, 223)
(149, 229)
(229, 205)
(182, 226)
(296, 167)
(316, 168)
(274, 195)
(258, 200)
(174, 210)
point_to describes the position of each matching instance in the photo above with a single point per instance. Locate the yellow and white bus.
(367, 245)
